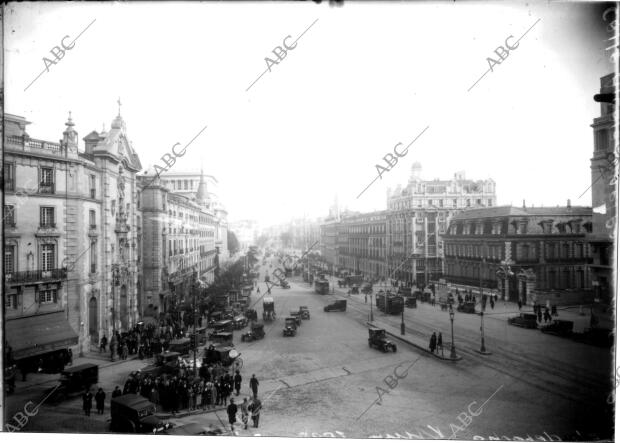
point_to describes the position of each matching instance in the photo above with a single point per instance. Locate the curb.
(401, 338)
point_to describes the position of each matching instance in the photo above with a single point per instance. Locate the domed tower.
(416, 172)
(70, 138)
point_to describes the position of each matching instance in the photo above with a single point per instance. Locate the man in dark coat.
(433, 343)
(87, 402)
(100, 400)
(232, 414)
(238, 381)
(117, 392)
(255, 408)
(254, 385)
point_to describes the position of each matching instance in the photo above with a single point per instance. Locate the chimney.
(523, 203)
(568, 203)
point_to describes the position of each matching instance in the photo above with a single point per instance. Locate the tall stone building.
(418, 215)
(603, 165)
(179, 244)
(71, 230)
(531, 254)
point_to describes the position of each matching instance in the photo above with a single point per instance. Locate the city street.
(326, 380)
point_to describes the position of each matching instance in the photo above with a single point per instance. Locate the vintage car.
(75, 380)
(201, 428)
(223, 338)
(367, 288)
(201, 334)
(240, 322)
(165, 363)
(377, 339)
(355, 289)
(133, 413)
(181, 345)
(251, 314)
(284, 284)
(224, 355)
(337, 306)
(223, 326)
(297, 316)
(305, 312)
(563, 328)
(596, 336)
(256, 332)
(290, 327)
(524, 321)
(214, 317)
(468, 307)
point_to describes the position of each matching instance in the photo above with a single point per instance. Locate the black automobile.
(377, 339)
(524, 321)
(75, 380)
(297, 316)
(290, 327)
(468, 307)
(305, 312)
(132, 413)
(563, 328)
(165, 363)
(240, 322)
(355, 289)
(337, 306)
(255, 333)
(600, 337)
(181, 345)
(223, 326)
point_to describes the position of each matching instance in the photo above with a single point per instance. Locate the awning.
(39, 334)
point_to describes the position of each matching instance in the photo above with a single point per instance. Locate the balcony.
(47, 188)
(24, 277)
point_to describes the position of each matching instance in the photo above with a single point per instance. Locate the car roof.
(268, 300)
(80, 368)
(376, 329)
(132, 401)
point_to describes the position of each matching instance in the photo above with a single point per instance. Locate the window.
(9, 259)
(468, 204)
(490, 202)
(48, 257)
(46, 182)
(47, 217)
(479, 202)
(47, 296)
(10, 301)
(92, 183)
(179, 183)
(185, 183)
(9, 215)
(91, 219)
(9, 177)
(602, 140)
(455, 203)
(93, 256)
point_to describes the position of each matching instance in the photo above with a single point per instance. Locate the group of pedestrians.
(248, 408)
(545, 316)
(436, 343)
(87, 401)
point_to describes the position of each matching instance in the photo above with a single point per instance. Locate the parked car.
(255, 333)
(225, 355)
(411, 302)
(75, 380)
(223, 338)
(355, 289)
(297, 316)
(558, 327)
(290, 327)
(240, 322)
(524, 321)
(132, 413)
(597, 337)
(181, 345)
(337, 306)
(467, 307)
(284, 284)
(223, 326)
(305, 312)
(165, 363)
(377, 338)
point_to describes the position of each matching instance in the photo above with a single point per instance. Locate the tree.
(233, 243)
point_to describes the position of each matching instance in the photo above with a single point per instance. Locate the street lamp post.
(371, 316)
(402, 317)
(452, 348)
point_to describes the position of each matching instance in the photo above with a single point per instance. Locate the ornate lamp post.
(402, 317)
(371, 315)
(452, 348)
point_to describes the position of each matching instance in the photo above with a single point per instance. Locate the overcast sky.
(363, 78)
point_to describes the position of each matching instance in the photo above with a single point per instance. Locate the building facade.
(531, 254)
(72, 239)
(362, 244)
(179, 244)
(418, 215)
(603, 164)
